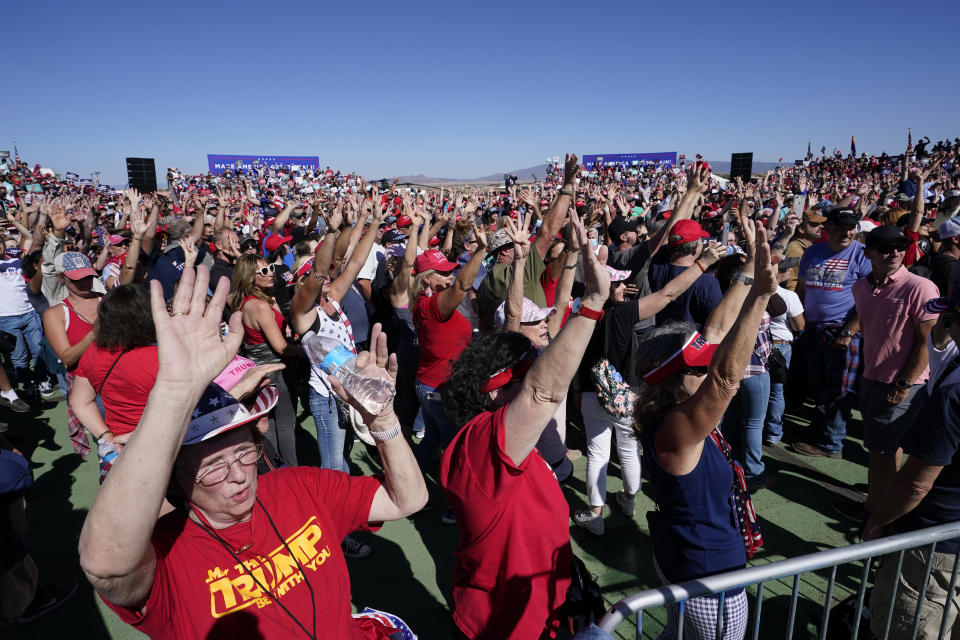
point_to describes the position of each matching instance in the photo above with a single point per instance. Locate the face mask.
(13, 252)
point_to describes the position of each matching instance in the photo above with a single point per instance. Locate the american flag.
(909, 141)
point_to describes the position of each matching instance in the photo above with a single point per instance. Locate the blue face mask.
(12, 252)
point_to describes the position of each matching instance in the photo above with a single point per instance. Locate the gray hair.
(178, 229)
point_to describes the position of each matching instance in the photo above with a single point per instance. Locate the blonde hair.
(417, 286)
(245, 280)
(891, 216)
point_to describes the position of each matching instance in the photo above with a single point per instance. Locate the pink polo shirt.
(889, 316)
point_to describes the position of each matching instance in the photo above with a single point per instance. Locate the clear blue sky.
(456, 89)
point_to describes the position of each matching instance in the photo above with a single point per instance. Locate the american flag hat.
(219, 412)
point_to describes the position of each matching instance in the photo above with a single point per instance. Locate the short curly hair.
(462, 398)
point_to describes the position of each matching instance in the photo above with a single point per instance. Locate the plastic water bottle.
(107, 452)
(372, 392)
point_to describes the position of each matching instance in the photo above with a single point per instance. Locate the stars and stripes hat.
(73, 265)
(219, 412)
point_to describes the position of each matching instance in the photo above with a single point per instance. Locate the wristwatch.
(747, 280)
(902, 384)
(846, 334)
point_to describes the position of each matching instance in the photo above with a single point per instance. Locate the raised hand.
(595, 276)
(711, 253)
(764, 273)
(571, 168)
(520, 237)
(190, 348)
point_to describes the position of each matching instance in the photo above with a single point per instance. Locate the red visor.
(695, 352)
(503, 377)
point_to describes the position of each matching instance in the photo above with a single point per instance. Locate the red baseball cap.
(275, 240)
(433, 259)
(404, 221)
(686, 231)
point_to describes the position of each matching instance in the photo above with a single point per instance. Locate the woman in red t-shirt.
(442, 333)
(120, 366)
(513, 563)
(265, 342)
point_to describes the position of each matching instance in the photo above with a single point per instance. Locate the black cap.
(841, 216)
(247, 240)
(622, 225)
(887, 236)
(904, 220)
(393, 236)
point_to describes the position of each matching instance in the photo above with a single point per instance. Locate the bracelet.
(569, 266)
(383, 436)
(592, 314)
(103, 435)
(566, 192)
(702, 270)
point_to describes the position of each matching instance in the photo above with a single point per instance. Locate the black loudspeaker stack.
(142, 174)
(741, 164)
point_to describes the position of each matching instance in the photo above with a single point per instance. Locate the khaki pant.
(909, 583)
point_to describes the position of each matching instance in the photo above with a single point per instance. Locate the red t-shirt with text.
(199, 590)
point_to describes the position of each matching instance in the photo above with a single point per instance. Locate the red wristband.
(593, 314)
(702, 270)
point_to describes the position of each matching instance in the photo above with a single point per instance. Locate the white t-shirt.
(13, 289)
(369, 269)
(780, 325)
(939, 359)
(338, 330)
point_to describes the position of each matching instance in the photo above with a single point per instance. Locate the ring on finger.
(177, 313)
(381, 364)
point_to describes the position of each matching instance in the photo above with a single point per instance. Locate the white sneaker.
(590, 521)
(46, 390)
(627, 504)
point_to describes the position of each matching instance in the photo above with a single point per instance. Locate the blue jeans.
(26, 327)
(774, 428)
(744, 423)
(439, 430)
(332, 441)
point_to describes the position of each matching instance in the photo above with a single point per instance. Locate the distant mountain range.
(540, 171)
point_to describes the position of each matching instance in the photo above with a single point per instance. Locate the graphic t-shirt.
(828, 278)
(200, 591)
(13, 289)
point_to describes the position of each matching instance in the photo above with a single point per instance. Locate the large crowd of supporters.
(678, 312)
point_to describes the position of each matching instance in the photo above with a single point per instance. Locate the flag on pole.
(909, 141)
(809, 151)
(853, 145)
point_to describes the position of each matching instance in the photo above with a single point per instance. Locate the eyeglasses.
(217, 473)
(267, 270)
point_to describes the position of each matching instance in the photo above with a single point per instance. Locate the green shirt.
(493, 289)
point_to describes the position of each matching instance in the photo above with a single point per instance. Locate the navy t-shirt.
(167, 266)
(935, 438)
(693, 305)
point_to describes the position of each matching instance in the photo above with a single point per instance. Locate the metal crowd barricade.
(795, 567)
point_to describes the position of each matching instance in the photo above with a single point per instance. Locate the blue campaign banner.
(666, 157)
(220, 163)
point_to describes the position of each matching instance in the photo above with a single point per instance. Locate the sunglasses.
(267, 270)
